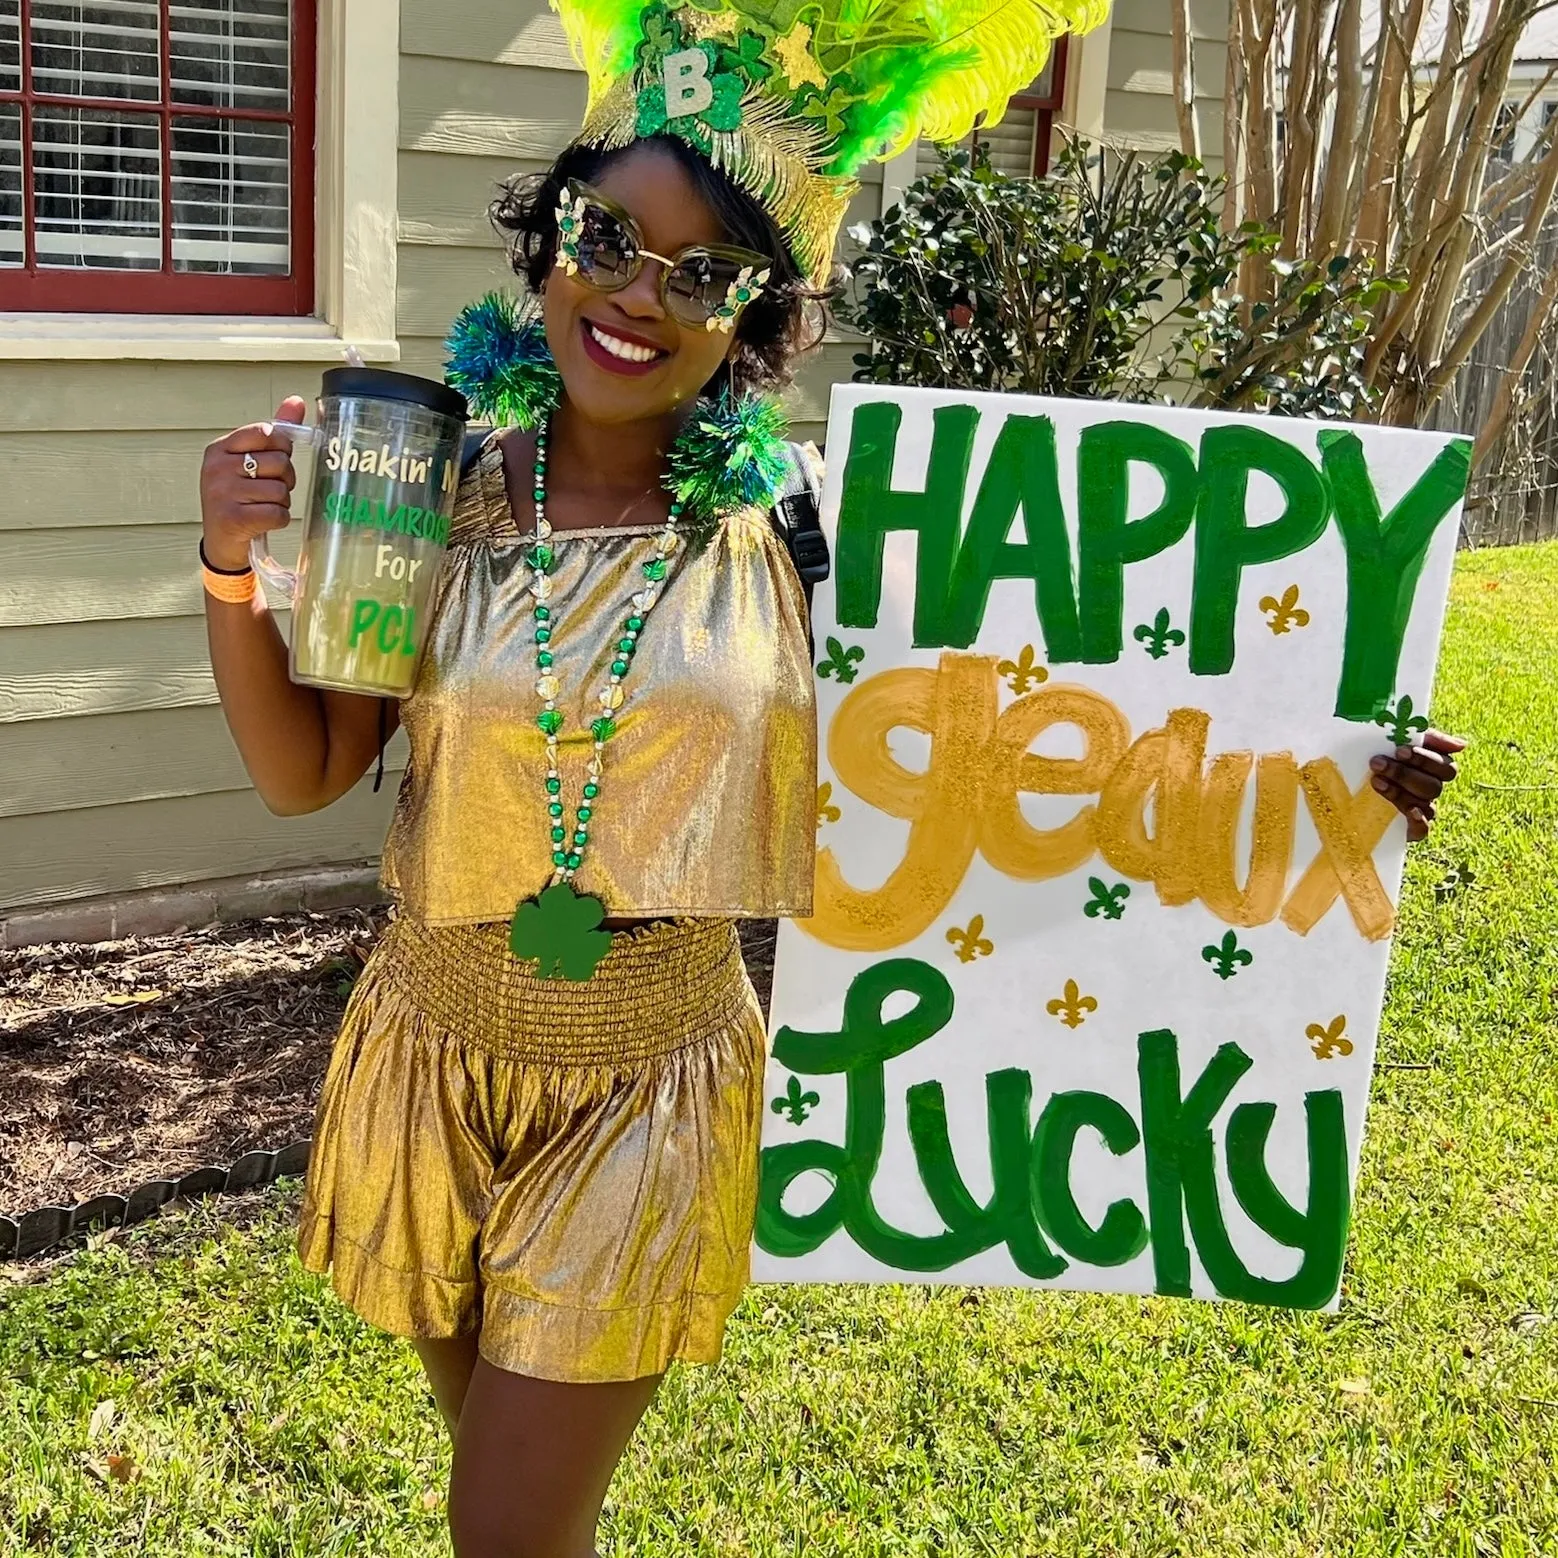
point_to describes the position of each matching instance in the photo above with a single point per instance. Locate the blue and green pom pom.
(500, 362)
(730, 456)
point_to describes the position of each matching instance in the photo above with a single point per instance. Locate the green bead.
(625, 645)
(585, 813)
(550, 721)
(544, 659)
(556, 808)
(619, 668)
(635, 624)
(591, 791)
(559, 834)
(554, 786)
(559, 858)
(540, 558)
(575, 860)
(540, 467)
(543, 635)
(543, 613)
(539, 494)
(655, 570)
(581, 838)
(603, 729)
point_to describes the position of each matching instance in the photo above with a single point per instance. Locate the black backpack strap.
(475, 440)
(797, 516)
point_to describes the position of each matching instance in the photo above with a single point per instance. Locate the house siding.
(1139, 104)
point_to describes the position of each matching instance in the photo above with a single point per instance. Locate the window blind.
(1011, 144)
(146, 114)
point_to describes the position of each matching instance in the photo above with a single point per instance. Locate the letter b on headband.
(688, 90)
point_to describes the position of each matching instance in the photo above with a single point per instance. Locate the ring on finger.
(251, 466)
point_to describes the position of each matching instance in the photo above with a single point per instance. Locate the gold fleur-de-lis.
(826, 810)
(1328, 1039)
(1023, 673)
(1285, 614)
(1072, 1007)
(971, 943)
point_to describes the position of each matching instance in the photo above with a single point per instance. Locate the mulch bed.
(136, 1060)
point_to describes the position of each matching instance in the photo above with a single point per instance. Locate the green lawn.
(1423, 1419)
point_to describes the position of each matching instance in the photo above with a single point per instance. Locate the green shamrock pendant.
(560, 928)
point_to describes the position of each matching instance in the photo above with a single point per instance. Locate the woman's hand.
(235, 506)
(1412, 779)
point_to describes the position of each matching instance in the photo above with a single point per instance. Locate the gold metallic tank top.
(708, 803)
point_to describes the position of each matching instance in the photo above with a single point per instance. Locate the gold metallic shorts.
(570, 1169)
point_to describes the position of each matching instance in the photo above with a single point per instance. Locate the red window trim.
(1045, 108)
(31, 288)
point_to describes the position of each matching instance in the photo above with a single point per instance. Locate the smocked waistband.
(660, 988)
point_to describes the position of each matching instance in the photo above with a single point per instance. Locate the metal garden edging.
(49, 1226)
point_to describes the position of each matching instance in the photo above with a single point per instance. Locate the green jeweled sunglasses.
(705, 286)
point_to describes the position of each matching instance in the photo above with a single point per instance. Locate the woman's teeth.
(628, 351)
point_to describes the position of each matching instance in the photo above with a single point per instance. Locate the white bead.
(548, 687)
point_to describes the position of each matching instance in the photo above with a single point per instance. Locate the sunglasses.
(705, 287)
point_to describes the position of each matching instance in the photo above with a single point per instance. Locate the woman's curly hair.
(785, 321)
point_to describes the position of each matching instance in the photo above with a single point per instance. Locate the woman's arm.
(303, 747)
(1413, 778)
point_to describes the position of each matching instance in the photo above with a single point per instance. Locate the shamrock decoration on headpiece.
(791, 98)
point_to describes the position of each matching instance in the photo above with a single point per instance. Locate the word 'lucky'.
(1033, 1207)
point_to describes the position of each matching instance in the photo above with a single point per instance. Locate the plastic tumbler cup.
(386, 470)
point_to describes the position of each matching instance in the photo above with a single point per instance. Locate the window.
(156, 156)
(1506, 126)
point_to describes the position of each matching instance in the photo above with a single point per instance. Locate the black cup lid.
(382, 384)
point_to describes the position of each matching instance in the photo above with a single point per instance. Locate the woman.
(549, 1184)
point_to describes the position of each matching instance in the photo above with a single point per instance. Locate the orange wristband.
(235, 589)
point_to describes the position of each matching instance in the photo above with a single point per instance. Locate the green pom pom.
(500, 362)
(730, 456)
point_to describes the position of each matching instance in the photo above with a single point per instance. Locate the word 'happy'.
(1081, 609)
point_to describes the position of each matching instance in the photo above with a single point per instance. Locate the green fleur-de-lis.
(1401, 722)
(1227, 957)
(1285, 614)
(560, 929)
(1106, 901)
(796, 1105)
(841, 662)
(1160, 637)
(1024, 673)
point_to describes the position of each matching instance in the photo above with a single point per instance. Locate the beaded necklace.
(560, 926)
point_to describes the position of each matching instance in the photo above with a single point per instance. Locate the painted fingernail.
(1378, 764)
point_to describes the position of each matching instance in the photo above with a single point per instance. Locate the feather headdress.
(792, 98)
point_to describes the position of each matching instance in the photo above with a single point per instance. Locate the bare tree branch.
(1184, 79)
(1344, 134)
(1492, 430)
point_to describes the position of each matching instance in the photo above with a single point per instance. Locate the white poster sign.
(1104, 892)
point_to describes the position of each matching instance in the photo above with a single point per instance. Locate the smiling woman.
(536, 1153)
